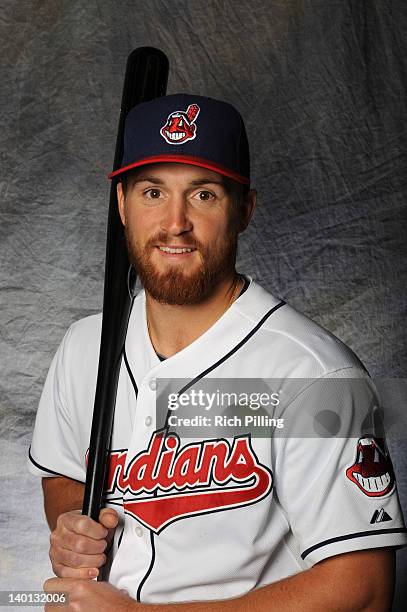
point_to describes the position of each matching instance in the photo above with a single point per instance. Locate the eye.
(153, 193)
(205, 196)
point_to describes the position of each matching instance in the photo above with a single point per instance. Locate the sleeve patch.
(372, 472)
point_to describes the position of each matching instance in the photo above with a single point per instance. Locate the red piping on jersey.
(184, 159)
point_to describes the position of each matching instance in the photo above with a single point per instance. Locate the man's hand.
(78, 543)
(88, 596)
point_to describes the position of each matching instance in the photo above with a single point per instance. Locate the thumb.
(108, 518)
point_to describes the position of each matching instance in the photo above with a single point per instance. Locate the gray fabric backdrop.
(322, 87)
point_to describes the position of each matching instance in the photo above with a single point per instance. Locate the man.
(209, 520)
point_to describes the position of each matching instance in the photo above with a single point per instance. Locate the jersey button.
(139, 531)
(148, 421)
(153, 384)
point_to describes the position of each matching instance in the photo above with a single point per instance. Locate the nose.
(176, 219)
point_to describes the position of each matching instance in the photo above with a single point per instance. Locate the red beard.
(174, 286)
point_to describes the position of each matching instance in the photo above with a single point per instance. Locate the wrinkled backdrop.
(322, 87)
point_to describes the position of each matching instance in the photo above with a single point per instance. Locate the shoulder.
(80, 346)
(82, 339)
(86, 328)
(303, 347)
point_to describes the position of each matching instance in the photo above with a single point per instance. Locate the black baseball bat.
(145, 79)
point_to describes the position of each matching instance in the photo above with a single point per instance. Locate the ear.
(120, 202)
(249, 206)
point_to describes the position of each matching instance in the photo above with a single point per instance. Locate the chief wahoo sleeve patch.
(166, 483)
(372, 471)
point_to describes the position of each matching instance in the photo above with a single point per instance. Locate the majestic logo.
(372, 471)
(180, 125)
(379, 516)
(166, 483)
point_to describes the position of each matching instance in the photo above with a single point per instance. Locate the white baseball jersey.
(206, 518)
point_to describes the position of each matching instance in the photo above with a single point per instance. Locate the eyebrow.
(156, 181)
(206, 181)
(149, 179)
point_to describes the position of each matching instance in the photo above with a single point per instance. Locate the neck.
(172, 328)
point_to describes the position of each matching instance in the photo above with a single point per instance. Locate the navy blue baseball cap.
(187, 129)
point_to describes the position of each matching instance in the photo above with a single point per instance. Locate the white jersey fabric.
(260, 509)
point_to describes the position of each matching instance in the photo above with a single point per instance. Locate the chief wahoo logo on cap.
(180, 125)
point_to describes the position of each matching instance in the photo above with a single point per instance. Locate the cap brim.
(183, 159)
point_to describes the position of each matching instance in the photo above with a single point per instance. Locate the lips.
(176, 250)
(175, 254)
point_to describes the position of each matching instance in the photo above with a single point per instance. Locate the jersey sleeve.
(54, 450)
(337, 486)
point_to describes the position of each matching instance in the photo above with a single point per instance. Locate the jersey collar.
(225, 334)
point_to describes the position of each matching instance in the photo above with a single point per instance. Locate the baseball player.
(215, 517)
